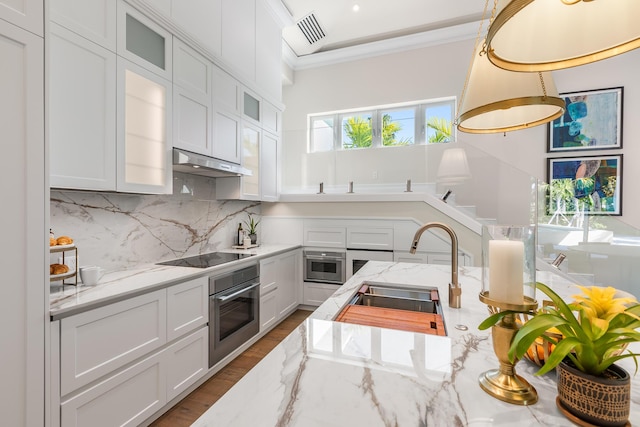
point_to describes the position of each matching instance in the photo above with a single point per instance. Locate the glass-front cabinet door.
(251, 160)
(144, 127)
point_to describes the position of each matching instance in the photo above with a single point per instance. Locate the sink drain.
(462, 327)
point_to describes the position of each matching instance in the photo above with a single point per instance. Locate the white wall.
(440, 71)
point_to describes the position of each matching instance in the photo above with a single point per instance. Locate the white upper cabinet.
(192, 108)
(226, 91)
(144, 42)
(192, 71)
(269, 167)
(202, 19)
(246, 187)
(144, 125)
(251, 106)
(226, 118)
(270, 118)
(268, 51)
(27, 14)
(82, 120)
(94, 20)
(226, 137)
(239, 36)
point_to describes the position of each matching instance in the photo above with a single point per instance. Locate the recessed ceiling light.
(356, 7)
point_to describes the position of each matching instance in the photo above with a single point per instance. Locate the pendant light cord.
(475, 46)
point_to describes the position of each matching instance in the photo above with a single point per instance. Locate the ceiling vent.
(311, 28)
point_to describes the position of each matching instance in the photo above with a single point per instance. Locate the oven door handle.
(235, 294)
(325, 258)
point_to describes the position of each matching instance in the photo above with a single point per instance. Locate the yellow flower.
(599, 302)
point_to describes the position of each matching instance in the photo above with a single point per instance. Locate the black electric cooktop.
(205, 260)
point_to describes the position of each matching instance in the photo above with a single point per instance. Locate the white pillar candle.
(506, 260)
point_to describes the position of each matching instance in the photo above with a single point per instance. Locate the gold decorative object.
(496, 100)
(503, 383)
(574, 33)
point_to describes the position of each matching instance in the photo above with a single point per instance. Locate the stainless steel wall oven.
(234, 311)
(324, 266)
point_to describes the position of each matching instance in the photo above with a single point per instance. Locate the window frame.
(420, 123)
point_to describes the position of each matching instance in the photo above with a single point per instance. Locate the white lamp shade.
(545, 35)
(496, 100)
(453, 168)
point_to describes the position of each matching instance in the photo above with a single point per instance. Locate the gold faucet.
(455, 291)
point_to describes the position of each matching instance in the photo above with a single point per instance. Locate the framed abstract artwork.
(592, 121)
(591, 185)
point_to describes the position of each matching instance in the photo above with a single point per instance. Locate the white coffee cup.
(90, 275)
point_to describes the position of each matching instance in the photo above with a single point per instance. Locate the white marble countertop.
(119, 285)
(336, 374)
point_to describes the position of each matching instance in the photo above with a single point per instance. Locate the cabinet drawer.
(96, 342)
(317, 293)
(187, 361)
(125, 399)
(187, 307)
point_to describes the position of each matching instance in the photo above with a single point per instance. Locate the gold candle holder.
(503, 383)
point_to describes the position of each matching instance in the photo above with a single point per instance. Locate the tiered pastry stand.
(71, 273)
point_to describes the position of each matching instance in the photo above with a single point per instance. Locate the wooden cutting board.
(426, 323)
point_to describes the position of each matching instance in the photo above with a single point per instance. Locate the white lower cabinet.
(280, 280)
(125, 399)
(289, 280)
(268, 310)
(187, 307)
(96, 342)
(187, 360)
(316, 293)
(121, 363)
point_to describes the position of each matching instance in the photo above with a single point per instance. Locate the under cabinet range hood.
(198, 164)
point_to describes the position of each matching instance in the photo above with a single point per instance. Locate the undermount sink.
(396, 297)
(395, 306)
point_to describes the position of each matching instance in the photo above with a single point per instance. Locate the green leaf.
(558, 354)
(493, 319)
(531, 330)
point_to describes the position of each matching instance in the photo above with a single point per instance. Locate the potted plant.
(252, 226)
(595, 330)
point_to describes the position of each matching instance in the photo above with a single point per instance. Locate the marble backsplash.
(120, 231)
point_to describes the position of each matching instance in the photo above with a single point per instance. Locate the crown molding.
(384, 47)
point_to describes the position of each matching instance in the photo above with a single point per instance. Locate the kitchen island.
(328, 373)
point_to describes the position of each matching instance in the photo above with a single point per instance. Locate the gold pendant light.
(546, 35)
(496, 100)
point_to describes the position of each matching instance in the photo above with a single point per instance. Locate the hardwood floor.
(185, 412)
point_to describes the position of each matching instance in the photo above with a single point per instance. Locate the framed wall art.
(591, 185)
(592, 121)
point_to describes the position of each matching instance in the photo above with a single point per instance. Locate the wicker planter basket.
(600, 401)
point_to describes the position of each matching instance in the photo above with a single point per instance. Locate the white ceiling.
(378, 20)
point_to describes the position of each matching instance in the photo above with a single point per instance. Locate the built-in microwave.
(324, 266)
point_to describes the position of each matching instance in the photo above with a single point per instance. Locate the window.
(321, 129)
(398, 127)
(438, 118)
(356, 130)
(422, 122)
